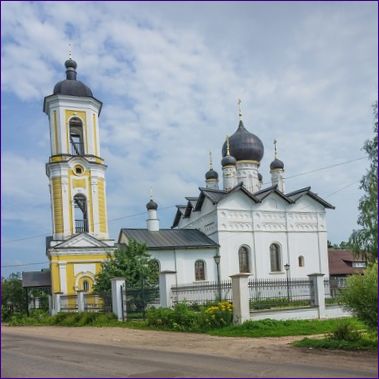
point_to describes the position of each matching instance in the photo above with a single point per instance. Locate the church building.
(76, 172)
(242, 227)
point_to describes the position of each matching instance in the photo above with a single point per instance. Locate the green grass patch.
(364, 343)
(274, 328)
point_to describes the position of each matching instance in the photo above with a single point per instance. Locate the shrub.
(345, 331)
(183, 318)
(219, 315)
(361, 296)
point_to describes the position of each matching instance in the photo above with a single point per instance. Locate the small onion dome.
(276, 164)
(70, 86)
(211, 174)
(151, 205)
(244, 145)
(228, 160)
(260, 177)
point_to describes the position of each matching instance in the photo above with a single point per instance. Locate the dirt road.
(119, 352)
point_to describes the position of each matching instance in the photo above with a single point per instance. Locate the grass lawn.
(273, 328)
(367, 342)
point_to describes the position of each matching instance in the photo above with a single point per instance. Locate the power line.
(325, 167)
(98, 223)
(25, 264)
(172, 206)
(321, 169)
(38, 263)
(342, 188)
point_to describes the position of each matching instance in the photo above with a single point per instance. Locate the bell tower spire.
(75, 169)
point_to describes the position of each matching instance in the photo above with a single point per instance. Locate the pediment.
(81, 240)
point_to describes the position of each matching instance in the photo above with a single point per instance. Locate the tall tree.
(365, 239)
(131, 262)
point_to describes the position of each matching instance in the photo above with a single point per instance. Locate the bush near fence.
(183, 318)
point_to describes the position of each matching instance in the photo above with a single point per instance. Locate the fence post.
(80, 301)
(50, 300)
(166, 281)
(117, 284)
(240, 297)
(318, 293)
(57, 302)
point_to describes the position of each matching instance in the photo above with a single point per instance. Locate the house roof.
(296, 195)
(170, 238)
(35, 279)
(216, 195)
(341, 262)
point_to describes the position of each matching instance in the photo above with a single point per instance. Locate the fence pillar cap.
(58, 293)
(240, 275)
(118, 278)
(168, 272)
(316, 274)
(80, 291)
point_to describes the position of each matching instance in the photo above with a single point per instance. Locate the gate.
(135, 301)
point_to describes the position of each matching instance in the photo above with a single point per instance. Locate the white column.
(63, 276)
(57, 303)
(166, 281)
(319, 293)
(81, 301)
(240, 297)
(117, 302)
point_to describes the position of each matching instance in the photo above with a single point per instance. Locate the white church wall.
(183, 262)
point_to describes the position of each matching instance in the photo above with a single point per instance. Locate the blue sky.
(169, 75)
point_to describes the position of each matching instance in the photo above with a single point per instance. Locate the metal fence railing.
(137, 300)
(202, 293)
(333, 287)
(263, 293)
(97, 303)
(69, 303)
(280, 293)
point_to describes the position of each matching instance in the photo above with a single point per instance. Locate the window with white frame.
(275, 258)
(199, 270)
(243, 258)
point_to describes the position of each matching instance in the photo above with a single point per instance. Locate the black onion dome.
(211, 174)
(244, 145)
(71, 86)
(151, 205)
(228, 160)
(276, 164)
(260, 177)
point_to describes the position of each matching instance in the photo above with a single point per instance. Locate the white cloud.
(169, 80)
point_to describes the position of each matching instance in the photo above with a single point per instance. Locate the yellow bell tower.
(76, 172)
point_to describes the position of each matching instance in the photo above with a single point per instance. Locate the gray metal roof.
(36, 279)
(170, 238)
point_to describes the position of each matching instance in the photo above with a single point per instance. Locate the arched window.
(80, 208)
(76, 136)
(85, 286)
(275, 258)
(199, 270)
(301, 261)
(243, 258)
